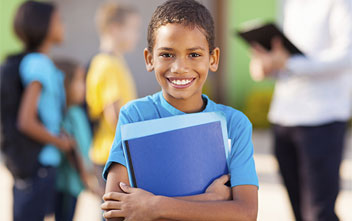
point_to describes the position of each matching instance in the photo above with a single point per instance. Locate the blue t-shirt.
(38, 67)
(239, 128)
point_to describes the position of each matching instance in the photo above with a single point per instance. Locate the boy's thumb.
(224, 178)
(125, 188)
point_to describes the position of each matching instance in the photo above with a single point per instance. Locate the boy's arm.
(244, 206)
(137, 204)
(216, 191)
(117, 173)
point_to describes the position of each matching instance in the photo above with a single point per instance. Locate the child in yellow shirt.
(109, 81)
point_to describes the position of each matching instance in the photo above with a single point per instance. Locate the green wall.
(8, 41)
(242, 92)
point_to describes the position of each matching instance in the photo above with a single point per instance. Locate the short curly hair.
(186, 12)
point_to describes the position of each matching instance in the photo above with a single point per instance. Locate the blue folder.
(176, 156)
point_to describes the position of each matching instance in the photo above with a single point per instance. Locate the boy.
(181, 51)
(109, 82)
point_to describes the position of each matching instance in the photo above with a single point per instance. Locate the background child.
(181, 52)
(109, 82)
(73, 171)
(38, 26)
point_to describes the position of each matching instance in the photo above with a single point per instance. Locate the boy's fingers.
(224, 178)
(111, 205)
(126, 188)
(113, 196)
(113, 214)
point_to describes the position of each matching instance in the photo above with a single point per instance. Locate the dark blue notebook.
(176, 156)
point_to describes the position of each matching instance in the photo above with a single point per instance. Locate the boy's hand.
(218, 190)
(134, 204)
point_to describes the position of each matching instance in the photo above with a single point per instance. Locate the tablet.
(263, 35)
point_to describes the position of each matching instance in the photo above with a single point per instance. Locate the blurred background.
(231, 85)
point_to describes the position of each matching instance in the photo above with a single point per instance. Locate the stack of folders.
(176, 156)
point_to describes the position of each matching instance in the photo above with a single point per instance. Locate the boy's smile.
(180, 82)
(181, 61)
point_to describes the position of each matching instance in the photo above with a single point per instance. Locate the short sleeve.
(241, 166)
(116, 152)
(35, 67)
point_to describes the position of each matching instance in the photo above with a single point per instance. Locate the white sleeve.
(336, 58)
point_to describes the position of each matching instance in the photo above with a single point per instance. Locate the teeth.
(181, 82)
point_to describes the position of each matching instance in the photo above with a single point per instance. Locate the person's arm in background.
(111, 95)
(339, 56)
(111, 113)
(334, 59)
(103, 94)
(28, 121)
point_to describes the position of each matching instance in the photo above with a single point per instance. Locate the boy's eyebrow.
(196, 48)
(165, 49)
(188, 49)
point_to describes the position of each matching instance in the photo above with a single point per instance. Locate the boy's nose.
(179, 66)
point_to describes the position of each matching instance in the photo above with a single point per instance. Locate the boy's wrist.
(156, 203)
(212, 197)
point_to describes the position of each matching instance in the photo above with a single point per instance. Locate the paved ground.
(273, 200)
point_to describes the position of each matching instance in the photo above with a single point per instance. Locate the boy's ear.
(148, 58)
(214, 59)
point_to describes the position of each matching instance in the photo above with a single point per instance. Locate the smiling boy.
(181, 52)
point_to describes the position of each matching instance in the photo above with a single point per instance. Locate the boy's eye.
(194, 55)
(166, 55)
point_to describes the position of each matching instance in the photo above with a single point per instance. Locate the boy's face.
(181, 61)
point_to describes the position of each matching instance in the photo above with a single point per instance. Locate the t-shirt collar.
(175, 111)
